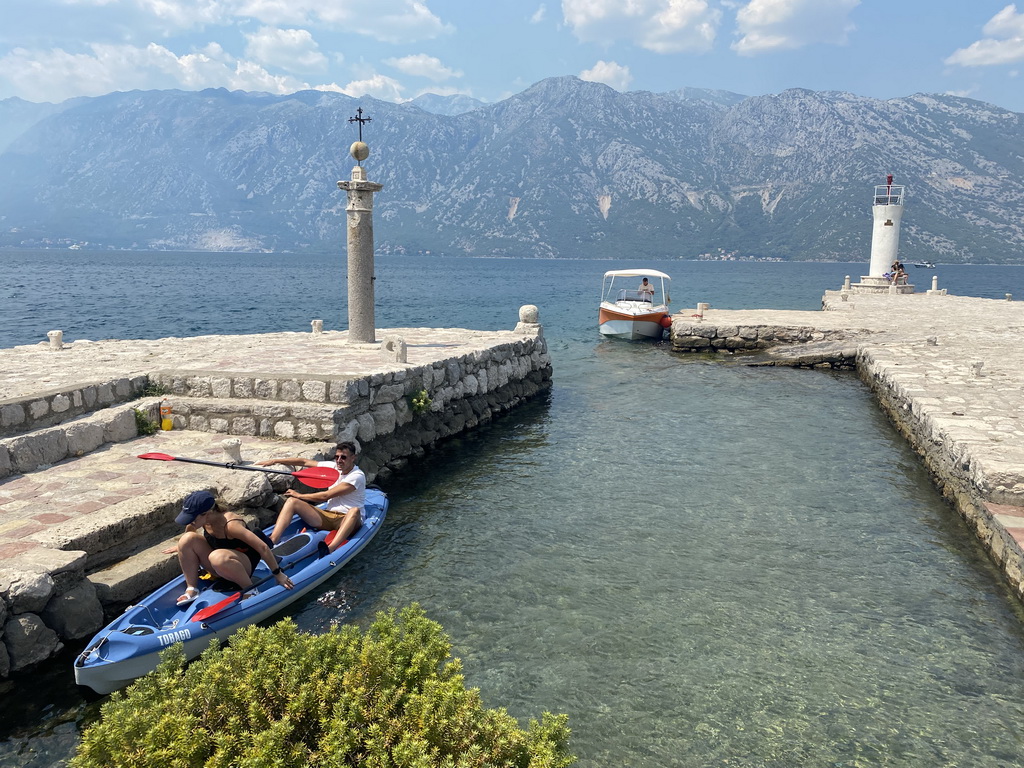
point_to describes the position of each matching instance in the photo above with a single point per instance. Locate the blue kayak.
(129, 647)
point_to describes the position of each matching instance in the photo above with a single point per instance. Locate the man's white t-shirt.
(354, 498)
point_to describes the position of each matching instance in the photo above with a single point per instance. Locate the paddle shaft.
(315, 477)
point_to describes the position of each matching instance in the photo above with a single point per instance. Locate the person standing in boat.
(222, 543)
(646, 290)
(339, 508)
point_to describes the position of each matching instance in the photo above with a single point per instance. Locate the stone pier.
(84, 524)
(948, 370)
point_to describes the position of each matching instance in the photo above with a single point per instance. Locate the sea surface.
(703, 564)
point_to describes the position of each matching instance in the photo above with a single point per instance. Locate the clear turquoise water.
(703, 564)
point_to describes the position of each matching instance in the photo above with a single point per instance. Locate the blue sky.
(51, 50)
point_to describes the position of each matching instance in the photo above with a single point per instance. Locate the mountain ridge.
(565, 168)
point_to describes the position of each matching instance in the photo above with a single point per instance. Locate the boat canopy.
(636, 273)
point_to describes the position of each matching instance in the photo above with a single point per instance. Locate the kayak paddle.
(227, 602)
(314, 477)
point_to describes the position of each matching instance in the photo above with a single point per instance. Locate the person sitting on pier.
(222, 543)
(646, 291)
(339, 508)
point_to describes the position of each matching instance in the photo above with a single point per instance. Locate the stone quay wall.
(84, 525)
(375, 410)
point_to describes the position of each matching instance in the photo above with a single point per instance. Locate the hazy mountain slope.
(567, 168)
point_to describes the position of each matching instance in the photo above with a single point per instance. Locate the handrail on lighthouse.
(889, 193)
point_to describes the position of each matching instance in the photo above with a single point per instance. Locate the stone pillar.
(361, 323)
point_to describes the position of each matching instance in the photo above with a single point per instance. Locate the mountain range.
(567, 168)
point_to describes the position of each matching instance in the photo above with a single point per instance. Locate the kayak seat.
(291, 546)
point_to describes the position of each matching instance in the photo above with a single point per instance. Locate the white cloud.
(773, 25)
(1004, 43)
(539, 14)
(379, 86)
(610, 73)
(55, 75)
(392, 21)
(421, 65)
(292, 49)
(662, 26)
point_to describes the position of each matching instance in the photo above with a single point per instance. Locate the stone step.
(49, 407)
(40, 448)
(276, 419)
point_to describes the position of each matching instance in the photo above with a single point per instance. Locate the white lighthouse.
(887, 211)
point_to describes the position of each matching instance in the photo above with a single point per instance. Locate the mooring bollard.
(318, 327)
(932, 341)
(394, 349)
(56, 339)
(976, 369)
(232, 449)
(846, 283)
(935, 282)
(1009, 297)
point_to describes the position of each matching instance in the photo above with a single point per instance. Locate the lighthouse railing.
(889, 194)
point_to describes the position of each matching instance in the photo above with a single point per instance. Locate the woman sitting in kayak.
(222, 543)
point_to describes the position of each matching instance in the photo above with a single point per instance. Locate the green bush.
(143, 424)
(278, 697)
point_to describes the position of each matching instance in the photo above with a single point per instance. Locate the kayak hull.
(129, 647)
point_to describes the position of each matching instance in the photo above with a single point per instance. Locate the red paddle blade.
(213, 610)
(157, 456)
(318, 477)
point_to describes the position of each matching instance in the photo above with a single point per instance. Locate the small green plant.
(143, 424)
(393, 696)
(420, 401)
(153, 389)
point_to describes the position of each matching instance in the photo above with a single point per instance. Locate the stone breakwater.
(84, 523)
(948, 371)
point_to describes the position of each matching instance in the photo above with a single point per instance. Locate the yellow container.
(166, 423)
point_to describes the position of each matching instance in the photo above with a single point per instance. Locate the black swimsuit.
(237, 544)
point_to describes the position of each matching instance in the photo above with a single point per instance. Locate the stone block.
(60, 403)
(121, 427)
(105, 393)
(284, 429)
(38, 408)
(42, 448)
(388, 393)
(220, 387)
(265, 389)
(89, 396)
(314, 391)
(245, 489)
(5, 661)
(367, 428)
(26, 591)
(5, 461)
(83, 437)
(243, 425)
(244, 388)
(12, 414)
(219, 425)
(75, 614)
(384, 419)
(29, 641)
(291, 390)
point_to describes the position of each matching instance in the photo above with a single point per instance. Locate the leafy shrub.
(420, 401)
(143, 424)
(279, 697)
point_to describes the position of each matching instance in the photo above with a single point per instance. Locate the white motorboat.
(634, 304)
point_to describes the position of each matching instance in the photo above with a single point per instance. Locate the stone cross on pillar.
(361, 322)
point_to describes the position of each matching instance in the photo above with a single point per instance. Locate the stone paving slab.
(31, 369)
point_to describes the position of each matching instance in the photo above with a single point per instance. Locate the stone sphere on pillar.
(359, 150)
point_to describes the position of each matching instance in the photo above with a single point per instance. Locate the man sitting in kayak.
(222, 543)
(339, 508)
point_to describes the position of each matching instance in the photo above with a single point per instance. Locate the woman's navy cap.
(195, 504)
